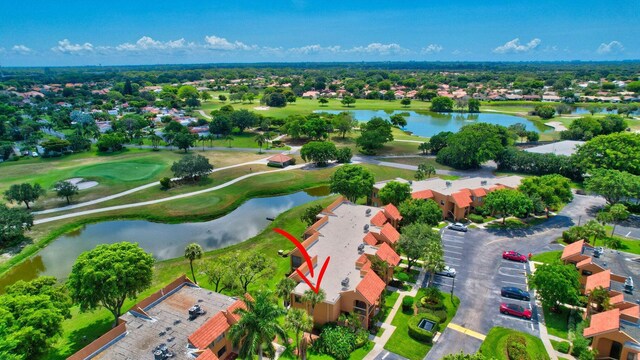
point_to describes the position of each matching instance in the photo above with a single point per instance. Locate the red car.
(515, 310)
(514, 256)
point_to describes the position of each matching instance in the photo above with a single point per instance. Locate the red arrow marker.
(307, 258)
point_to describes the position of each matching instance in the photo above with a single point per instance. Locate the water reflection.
(164, 241)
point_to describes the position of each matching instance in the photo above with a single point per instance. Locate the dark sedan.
(515, 293)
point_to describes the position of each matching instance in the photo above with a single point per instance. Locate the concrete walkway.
(145, 203)
(134, 190)
(380, 341)
(204, 114)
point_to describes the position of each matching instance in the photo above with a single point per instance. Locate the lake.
(164, 241)
(430, 123)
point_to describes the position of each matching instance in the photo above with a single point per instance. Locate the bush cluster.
(407, 303)
(478, 219)
(517, 347)
(419, 333)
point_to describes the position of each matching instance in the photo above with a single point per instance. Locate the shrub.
(517, 347)
(336, 341)
(419, 333)
(165, 183)
(563, 347)
(276, 143)
(613, 243)
(573, 234)
(403, 276)
(407, 303)
(435, 304)
(478, 219)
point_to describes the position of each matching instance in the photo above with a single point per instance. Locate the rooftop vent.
(345, 282)
(366, 227)
(195, 311)
(483, 183)
(162, 352)
(368, 212)
(360, 248)
(410, 182)
(448, 183)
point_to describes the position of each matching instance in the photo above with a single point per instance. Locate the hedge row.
(419, 333)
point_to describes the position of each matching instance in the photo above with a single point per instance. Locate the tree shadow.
(556, 222)
(80, 338)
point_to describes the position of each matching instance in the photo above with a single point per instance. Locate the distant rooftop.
(339, 238)
(448, 187)
(566, 147)
(168, 324)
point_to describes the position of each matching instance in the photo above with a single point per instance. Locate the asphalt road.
(477, 257)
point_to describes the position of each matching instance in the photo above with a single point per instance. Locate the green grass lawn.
(125, 171)
(417, 160)
(557, 322)
(389, 301)
(404, 345)
(556, 344)
(495, 345)
(548, 257)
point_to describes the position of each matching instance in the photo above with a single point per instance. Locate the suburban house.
(180, 321)
(456, 198)
(615, 332)
(280, 160)
(352, 236)
(565, 147)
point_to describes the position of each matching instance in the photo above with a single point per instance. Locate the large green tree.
(249, 267)
(343, 123)
(414, 240)
(31, 316)
(219, 273)
(613, 185)
(66, 189)
(243, 119)
(191, 167)
(374, 134)
(420, 211)
(13, 223)
(473, 145)
(184, 141)
(617, 151)
(24, 193)
(395, 192)
(352, 181)
(310, 214)
(320, 152)
(433, 256)
(258, 326)
(109, 274)
(441, 104)
(552, 190)
(507, 202)
(614, 215)
(556, 284)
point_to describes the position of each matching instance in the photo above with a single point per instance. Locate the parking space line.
(516, 318)
(451, 257)
(453, 241)
(514, 265)
(453, 246)
(466, 331)
(511, 282)
(453, 252)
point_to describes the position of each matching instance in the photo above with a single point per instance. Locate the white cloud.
(21, 49)
(148, 43)
(315, 49)
(514, 46)
(432, 49)
(66, 47)
(219, 43)
(381, 49)
(613, 47)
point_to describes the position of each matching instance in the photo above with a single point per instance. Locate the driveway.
(477, 257)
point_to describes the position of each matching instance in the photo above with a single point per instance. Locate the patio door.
(616, 350)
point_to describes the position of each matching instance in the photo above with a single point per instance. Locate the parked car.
(514, 256)
(457, 227)
(34, 154)
(447, 271)
(515, 293)
(515, 310)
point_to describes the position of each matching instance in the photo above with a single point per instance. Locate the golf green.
(122, 171)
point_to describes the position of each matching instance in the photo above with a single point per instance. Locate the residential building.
(280, 160)
(565, 147)
(180, 321)
(615, 332)
(456, 198)
(350, 237)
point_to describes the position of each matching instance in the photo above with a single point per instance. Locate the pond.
(430, 123)
(164, 241)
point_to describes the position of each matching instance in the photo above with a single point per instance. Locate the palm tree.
(253, 334)
(313, 298)
(268, 135)
(594, 230)
(284, 289)
(191, 252)
(229, 139)
(298, 321)
(260, 139)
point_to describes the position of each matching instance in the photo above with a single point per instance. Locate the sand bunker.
(261, 108)
(82, 184)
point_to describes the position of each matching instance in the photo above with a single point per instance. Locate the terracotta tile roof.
(603, 322)
(616, 298)
(386, 253)
(572, 250)
(584, 262)
(601, 279)
(424, 194)
(207, 355)
(390, 233)
(329, 209)
(461, 199)
(392, 212)
(479, 192)
(362, 260)
(370, 287)
(280, 158)
(633, 311)
(239, 304)
(370, 239)
(379, 219)
(209, 331)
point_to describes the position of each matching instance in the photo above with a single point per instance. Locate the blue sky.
(70, 32)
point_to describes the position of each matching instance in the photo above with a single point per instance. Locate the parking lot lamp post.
(452, 286)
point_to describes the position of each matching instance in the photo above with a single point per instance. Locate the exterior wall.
(603, 343)
(459, 213)
(217, 346)
(325, 312)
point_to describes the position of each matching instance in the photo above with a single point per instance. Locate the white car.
(447, 271)
(34, 154)
(457, 227)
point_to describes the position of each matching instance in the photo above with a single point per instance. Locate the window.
(479, 198)
(219, 338)
(297, 299)
(586, 272)
(296, 261)
(441, 202)
(222, 351)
